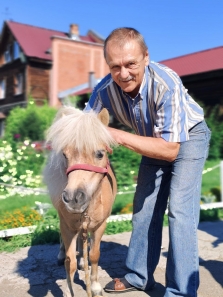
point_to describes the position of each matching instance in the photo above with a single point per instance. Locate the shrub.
(126, 165)
(209, 198)
(28, 123)
(217, 193)
(216, 127)
(211, 214)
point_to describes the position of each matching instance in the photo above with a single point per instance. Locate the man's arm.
(156, 148)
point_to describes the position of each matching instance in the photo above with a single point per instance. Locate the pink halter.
(87, 167)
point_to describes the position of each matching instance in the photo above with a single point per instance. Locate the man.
(172, 137)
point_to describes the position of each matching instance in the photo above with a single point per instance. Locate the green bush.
(216, 191)
(126, 165)
(28, 123)
(209, 198)
(215, 125)
(211, 214)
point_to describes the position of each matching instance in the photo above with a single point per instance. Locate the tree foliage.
(216, 126)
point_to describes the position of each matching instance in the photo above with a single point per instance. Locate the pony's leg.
(80, 257)
(61, 256)
(94, 255)
(70, 263)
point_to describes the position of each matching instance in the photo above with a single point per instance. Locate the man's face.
(127, 65)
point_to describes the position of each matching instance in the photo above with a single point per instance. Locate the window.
(2, 126)
(2, 88)
(16, 50)
(18, 84)
(8, 53)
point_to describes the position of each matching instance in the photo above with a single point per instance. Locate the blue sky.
(171, 27)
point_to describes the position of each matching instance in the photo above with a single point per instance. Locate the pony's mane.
(54, 176)
(78, 129)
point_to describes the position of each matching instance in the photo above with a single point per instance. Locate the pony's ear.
(104, 116)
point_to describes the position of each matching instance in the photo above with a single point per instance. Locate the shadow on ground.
(210, 228)
(215, 267)
(41, 270)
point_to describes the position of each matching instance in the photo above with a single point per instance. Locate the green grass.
(211, 179)
(48, 231)
(17, 202)
(121, 201)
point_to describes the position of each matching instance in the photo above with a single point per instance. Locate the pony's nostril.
(79, 197)
(65, 197)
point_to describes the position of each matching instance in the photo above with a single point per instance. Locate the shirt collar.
(144, 84)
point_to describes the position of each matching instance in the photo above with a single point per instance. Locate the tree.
(215, 125)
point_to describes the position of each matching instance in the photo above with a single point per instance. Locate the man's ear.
(104, 116)
(146, 58)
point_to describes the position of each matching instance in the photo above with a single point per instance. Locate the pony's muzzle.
(76, 201)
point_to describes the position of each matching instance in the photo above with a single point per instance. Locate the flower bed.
(20, 165)
(20, 218)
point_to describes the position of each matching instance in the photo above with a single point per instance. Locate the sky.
(171, 28)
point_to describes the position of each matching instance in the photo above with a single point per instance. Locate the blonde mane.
(78, 129)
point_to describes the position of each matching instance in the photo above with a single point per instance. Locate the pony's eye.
(65, 156)
(99, 155)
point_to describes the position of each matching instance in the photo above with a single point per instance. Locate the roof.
(36, 41)
(85, 88)
(83, 92)
(199, 62)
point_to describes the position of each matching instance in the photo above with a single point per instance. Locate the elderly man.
(172, 137)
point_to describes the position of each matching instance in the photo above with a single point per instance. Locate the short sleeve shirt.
(162, 108)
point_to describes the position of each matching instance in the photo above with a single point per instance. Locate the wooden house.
(39, 63)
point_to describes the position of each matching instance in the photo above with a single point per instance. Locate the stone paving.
(33, 271)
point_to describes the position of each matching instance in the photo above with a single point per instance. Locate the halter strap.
(87, 167)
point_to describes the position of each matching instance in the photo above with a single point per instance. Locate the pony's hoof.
(98, 294)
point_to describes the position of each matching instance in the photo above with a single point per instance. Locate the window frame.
(2, 89)
(18, 84)
(8, 53)
(16, 50)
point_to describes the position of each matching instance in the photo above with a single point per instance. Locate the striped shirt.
(162, 108)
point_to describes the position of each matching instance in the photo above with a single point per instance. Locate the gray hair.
(122, 35)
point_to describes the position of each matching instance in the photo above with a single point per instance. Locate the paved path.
(33, 271)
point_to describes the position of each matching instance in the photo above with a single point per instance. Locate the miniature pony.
(81, 184)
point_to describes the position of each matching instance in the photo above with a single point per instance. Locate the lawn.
(211, 179)
(16, 202)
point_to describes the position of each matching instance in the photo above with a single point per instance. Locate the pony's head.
(81, 140)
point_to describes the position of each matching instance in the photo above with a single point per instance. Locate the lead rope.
(85, 253)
